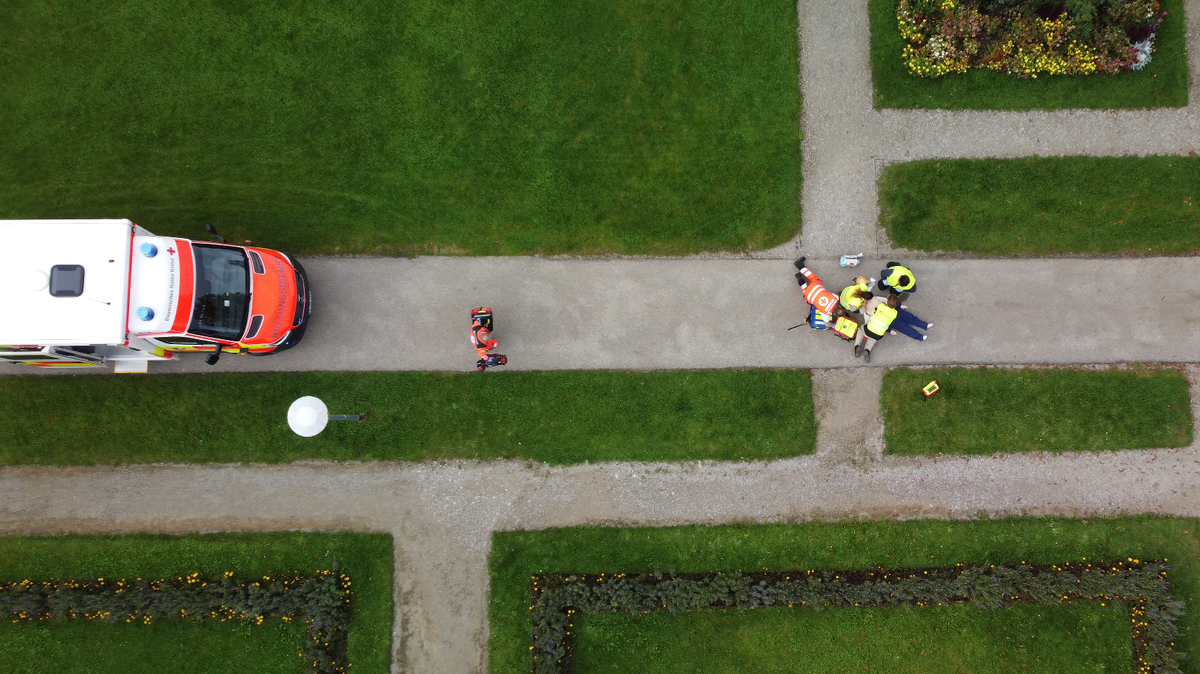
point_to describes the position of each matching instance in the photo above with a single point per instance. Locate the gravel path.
(402, 314)
(846, 141)
(442, 515)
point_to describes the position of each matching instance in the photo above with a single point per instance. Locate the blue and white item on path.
(145, 313)
(148, 249)
(850, 260)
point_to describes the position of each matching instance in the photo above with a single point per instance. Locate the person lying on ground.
(906, 323)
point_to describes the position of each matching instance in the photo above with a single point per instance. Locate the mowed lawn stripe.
(490, 128)
(990, 410)
(202, 646)
(1044, 205)
(556, 417)
(518, 555)
(1078, 638)
(1162, 83)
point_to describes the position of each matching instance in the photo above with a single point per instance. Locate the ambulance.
(94, 293)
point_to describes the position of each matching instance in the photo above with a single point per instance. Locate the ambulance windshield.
(222, 292)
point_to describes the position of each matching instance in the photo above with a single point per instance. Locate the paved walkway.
(703, 312)
(396, 314)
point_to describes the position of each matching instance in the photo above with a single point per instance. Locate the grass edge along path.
(985, 410)
(365, 558)
(1162, 83)
(559, 417)
(517, 557)
(1043, 205)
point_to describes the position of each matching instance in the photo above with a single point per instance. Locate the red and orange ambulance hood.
(231, 294)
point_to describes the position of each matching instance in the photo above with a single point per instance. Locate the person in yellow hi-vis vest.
(898, 279)
(879, 314)
(854, 295)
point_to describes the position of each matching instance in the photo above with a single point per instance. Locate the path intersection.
(701, 312)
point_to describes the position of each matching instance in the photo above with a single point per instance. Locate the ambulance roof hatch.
(63, 282)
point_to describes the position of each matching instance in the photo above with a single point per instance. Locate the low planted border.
(322, 601)
(557, 600)
(694, 552)
(1162, 83)
(259, 581)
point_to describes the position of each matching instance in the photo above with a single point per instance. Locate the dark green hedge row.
(1154, 613)
(322, 601)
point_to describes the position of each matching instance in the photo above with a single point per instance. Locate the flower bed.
(201, 643)
(1027, 38)
(557, 600)
(322, 601)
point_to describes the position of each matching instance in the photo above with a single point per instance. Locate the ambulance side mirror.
(213, 357)
(213, 231)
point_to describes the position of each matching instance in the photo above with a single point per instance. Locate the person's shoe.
(799, 263)
(903, 306)
(928, 325)
(800, 280)
(893, 333)
(858, 350)
(924, 337)
(867, 355)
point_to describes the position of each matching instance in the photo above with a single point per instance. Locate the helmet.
(861, 281)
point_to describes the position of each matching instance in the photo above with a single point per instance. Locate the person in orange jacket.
(481, 337)
(815, 292)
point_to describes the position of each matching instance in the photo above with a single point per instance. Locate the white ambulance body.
(80, 293)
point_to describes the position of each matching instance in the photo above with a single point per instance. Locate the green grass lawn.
(557, 417)
(1073, 638)
(841, 640)
(1044, 205)
(205, 646)
(1162, 83)
(987, 410)
(635, 126)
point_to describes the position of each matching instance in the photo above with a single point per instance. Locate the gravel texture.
(847, 141)
(442, 515)
(849, 416)
(700, 312)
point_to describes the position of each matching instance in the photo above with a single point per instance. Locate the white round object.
(308, 416)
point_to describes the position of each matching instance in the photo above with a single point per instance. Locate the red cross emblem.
(170, 251)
